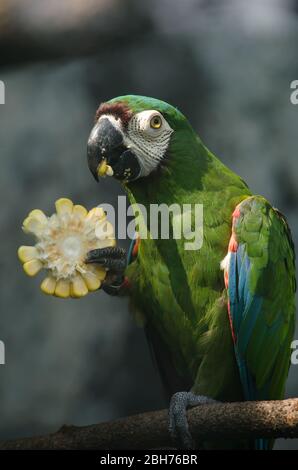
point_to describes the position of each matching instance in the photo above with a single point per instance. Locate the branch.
(269, 419)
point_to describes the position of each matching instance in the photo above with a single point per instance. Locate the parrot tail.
(261, 444)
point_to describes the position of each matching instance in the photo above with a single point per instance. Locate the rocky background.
(228, 65)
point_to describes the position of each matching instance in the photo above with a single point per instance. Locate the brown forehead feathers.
(118, 110)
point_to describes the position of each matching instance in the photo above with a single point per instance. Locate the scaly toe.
(178, 424)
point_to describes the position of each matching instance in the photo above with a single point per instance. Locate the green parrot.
(219, 319)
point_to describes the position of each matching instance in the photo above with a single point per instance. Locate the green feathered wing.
(261, 288)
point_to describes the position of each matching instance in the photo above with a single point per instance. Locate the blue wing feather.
(244, 309)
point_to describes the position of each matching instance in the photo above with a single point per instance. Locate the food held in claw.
(62, 243)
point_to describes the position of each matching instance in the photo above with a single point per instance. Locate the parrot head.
(133, 137)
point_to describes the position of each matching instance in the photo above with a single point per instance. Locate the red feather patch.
(231, 323)
(119, 110)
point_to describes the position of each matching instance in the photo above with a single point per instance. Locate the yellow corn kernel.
(98, 271)
(78, 287)
(27, 253)
(92, 281)
(105, 243)
(62, 288)
(109, 171)
(38, 215)
(48, 285)
(102, 168)
(32, 267)
(32, 225)
(63, 206)
(97, 212)
(81, 211)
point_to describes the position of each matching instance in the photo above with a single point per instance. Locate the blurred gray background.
(228, 65)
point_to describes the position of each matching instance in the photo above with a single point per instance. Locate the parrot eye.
(155, 122)
(148, 135)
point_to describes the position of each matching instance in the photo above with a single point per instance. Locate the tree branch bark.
(269, 419)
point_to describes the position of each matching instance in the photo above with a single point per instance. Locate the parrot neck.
(190, 174)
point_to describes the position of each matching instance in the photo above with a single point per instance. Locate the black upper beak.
(105, 141)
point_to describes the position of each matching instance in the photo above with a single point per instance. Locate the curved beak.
(106, 148)
(103, 141)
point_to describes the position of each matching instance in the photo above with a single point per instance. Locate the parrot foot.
(114, 259)
(178, 425)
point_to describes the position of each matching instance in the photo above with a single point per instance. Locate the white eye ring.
(150, 122)
(148, 143)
